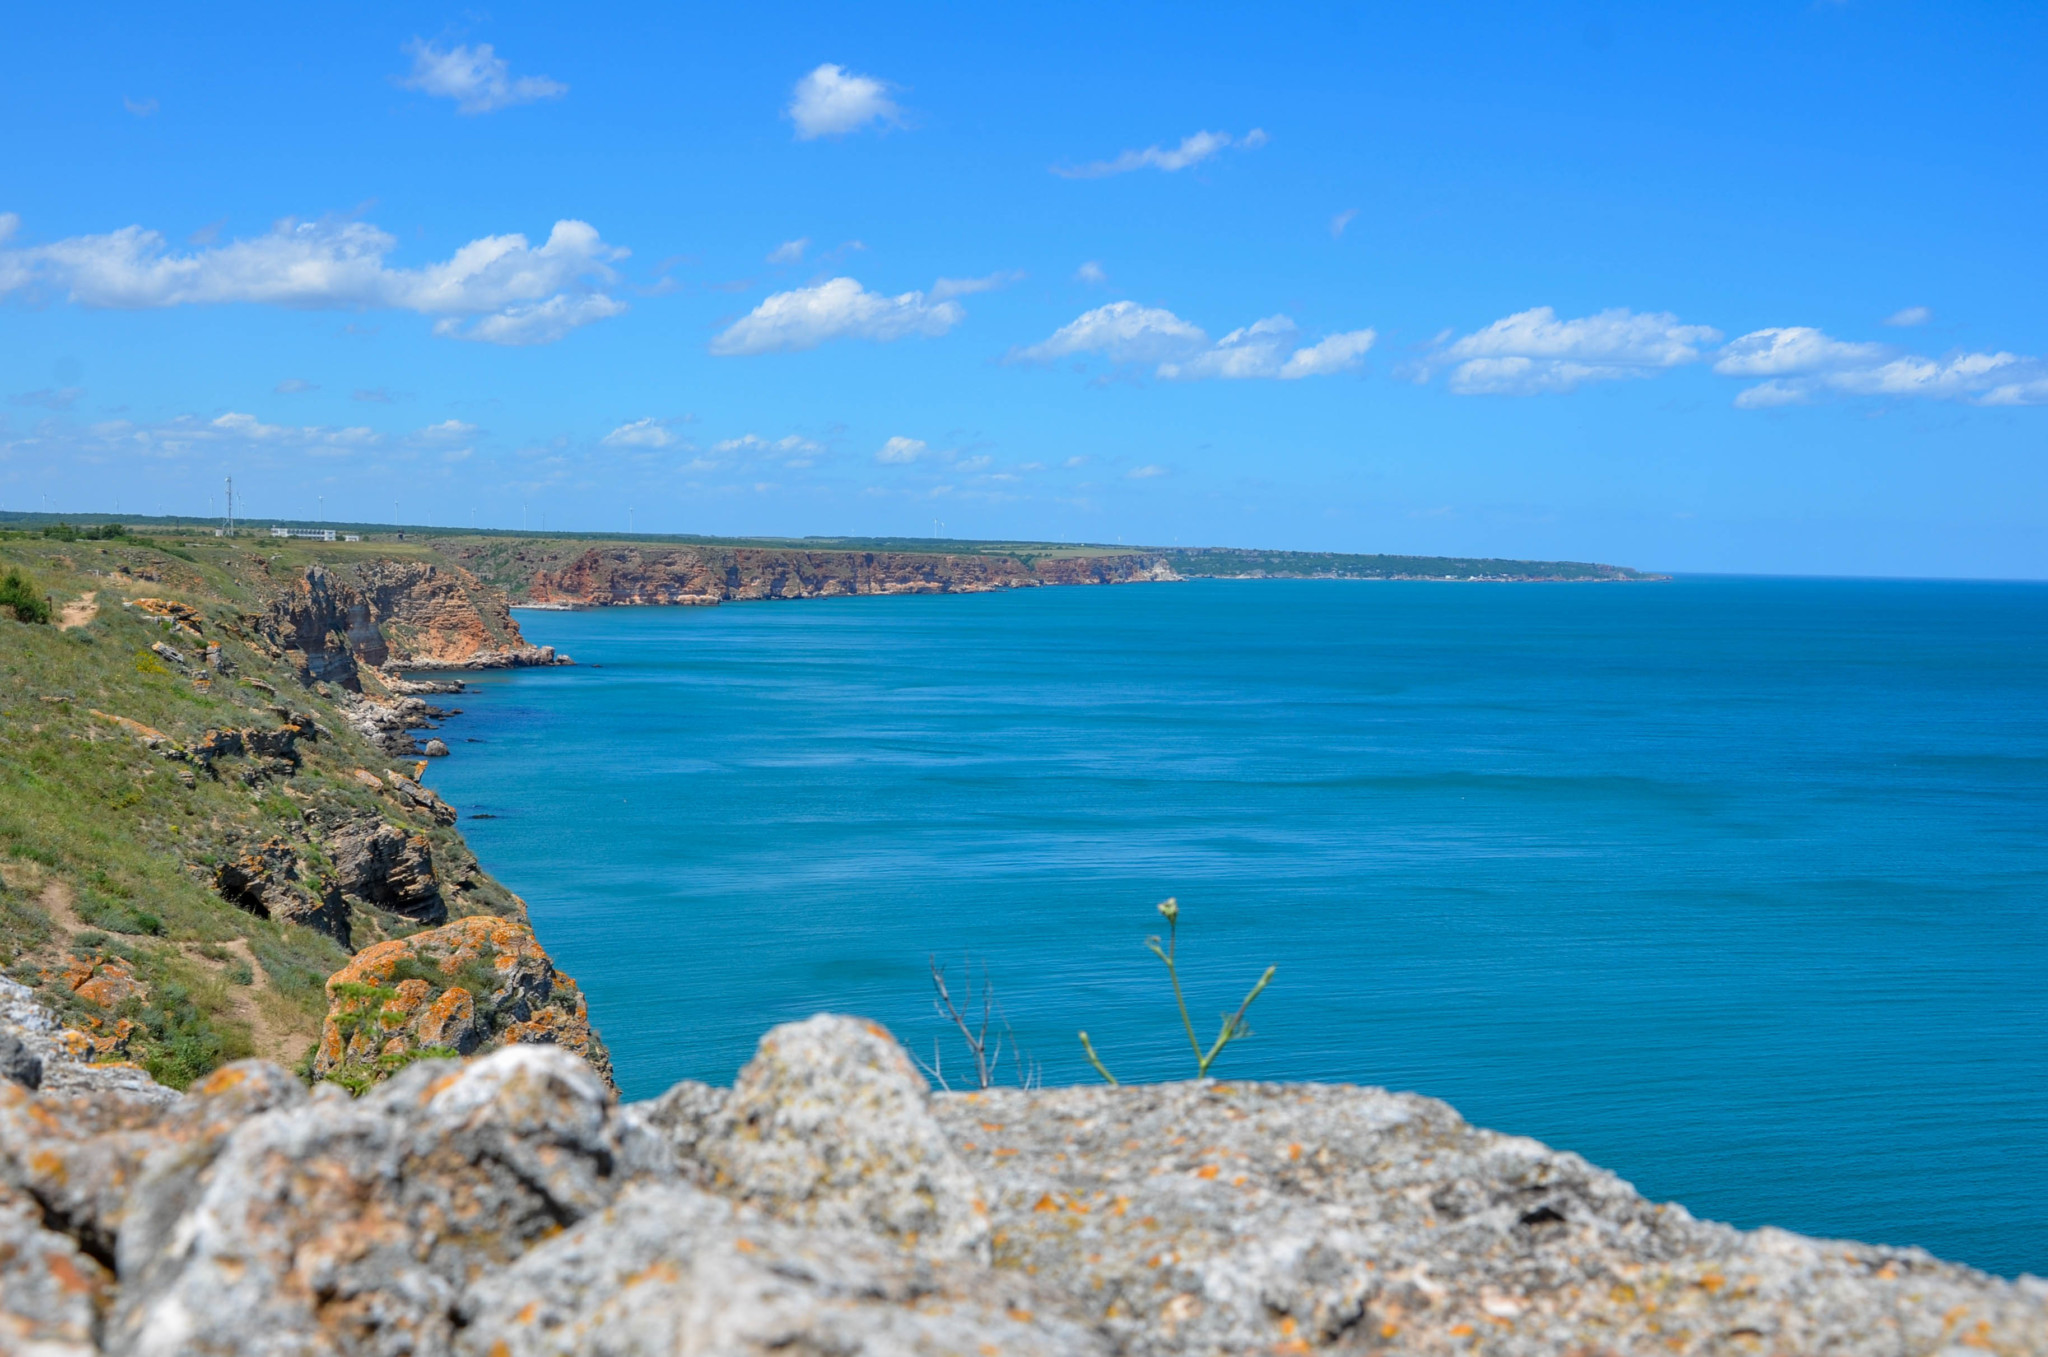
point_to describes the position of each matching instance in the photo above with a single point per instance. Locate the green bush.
(183, 1045)
(18, 594)
(66, 532)
(116, 917)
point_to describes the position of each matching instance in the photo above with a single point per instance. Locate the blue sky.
(1747, 287)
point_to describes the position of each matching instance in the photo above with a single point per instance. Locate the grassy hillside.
(116, 823)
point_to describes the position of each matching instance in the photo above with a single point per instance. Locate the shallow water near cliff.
(1737, 887)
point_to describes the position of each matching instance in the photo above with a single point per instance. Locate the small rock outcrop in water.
(473, 985)
(829, 1203)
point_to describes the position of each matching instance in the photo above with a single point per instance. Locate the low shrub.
(67, 532)
(19, 596)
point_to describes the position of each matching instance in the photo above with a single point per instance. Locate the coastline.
(1338, 1200)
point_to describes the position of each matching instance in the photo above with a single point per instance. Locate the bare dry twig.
(986, 1032)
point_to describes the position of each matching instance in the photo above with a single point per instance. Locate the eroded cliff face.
(829, 1203)
(611, 576)
(411, 614)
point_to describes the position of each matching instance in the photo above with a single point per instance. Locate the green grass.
(120, 841)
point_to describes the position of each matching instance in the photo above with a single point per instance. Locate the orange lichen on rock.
(468, 986)
(104, 981)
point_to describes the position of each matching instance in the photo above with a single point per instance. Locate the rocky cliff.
(202, 815)
(473, 985)
(612, 575)
(578, 574)
(402, 613)
(828, 1203)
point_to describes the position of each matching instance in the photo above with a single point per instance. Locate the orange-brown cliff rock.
(615, 575)
(415, 614)
(472, 985)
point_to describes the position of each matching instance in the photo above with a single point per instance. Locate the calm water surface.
(1737, 887)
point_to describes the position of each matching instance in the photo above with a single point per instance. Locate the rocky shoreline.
(829, 1203)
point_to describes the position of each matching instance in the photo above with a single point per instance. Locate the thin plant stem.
(1096, 1061)
(1166, 955)
(1234, 1025)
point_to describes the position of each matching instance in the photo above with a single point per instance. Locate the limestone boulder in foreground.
(829, 1203)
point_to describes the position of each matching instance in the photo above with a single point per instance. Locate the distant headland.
(586, 570)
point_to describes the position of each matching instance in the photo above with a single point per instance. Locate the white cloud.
(447, 431)
(141, 108)
(1533, 351)
(1771, 394)
(790, 251)
(832, 101)
(536, 323)
(476, 78)
(806, 317)
(1333, 353)
(1342, 220)
(641, 433)
(900, 450)
(522, 294)
(946, 288)
(1792, 348)
(1091, 273)
(1263, 349)
(1144, 473)
(185, 436)
(1192, 150)
(294, 386)
(1912, 315)
(248, 428)
(1125, 332)
(2020, 391)
(754, 445)
(1802, 363)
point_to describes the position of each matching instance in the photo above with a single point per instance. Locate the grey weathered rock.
(353, 1226)
(18, 1064)
(436, 749)
(266, 881)
(65, 1055)
(829, 1204)
(380, 863)
(1225, 1218)
(388, 725)
(672, 1270)
(51, 1292)
(829, 1124)
(81, 1155)
(413, 796)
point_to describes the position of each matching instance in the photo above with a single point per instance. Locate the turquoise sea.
(1738, 887)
